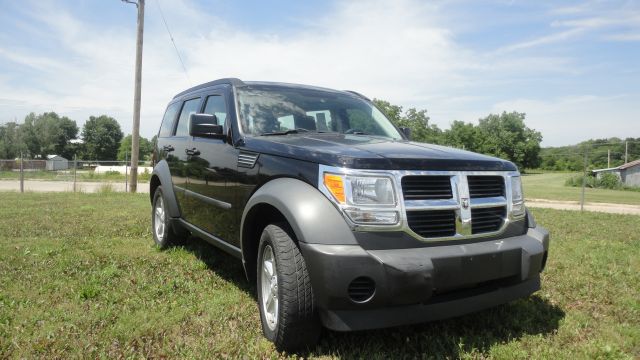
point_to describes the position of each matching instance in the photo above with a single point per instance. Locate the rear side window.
(167, 120)
(215, 106)
(190, 107)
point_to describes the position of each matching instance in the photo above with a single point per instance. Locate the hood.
(369, 152)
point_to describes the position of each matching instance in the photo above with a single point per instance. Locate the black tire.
(297, 325)
(168, 237)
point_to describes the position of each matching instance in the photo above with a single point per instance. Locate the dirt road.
(575, 205)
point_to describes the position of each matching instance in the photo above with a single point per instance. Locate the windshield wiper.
(292, 131)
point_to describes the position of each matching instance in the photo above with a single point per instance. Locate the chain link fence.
(59, 174)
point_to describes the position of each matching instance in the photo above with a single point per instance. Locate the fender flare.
(161, 170)
(312, 217)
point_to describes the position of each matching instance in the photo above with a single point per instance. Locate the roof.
(629, 164)
(238, 82)
(621, 167)
(49, 157)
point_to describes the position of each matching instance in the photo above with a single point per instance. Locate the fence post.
(75, 171)
(584, 180)
(126, 172)
(21, 173)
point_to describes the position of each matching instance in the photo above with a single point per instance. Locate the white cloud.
(565, 120)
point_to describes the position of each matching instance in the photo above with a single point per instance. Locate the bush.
(606, 181)
(609, 181)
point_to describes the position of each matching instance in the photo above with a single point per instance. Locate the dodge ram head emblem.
(465, 203)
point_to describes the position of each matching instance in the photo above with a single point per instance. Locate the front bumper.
(422, 284)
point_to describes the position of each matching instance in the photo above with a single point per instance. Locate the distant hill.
(571, 157)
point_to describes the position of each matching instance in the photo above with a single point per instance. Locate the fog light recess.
(361, 289)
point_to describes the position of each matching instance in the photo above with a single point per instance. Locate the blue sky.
(573, 67)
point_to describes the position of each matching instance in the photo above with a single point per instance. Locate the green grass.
(79, 277)
(552, 186)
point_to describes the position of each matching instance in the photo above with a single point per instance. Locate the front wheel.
(163, 233)
(285, 297)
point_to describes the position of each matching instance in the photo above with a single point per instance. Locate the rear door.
(177, 158)
(213, 170)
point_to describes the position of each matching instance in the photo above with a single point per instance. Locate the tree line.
(48, 133)
(503, 135)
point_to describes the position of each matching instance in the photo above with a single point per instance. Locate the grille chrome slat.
(486, 186)
(426, 187)
(487, 219)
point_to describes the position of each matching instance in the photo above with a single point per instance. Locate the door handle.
(168, 148)
(192, 152)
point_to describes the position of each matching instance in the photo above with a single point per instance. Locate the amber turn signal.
(335, 184)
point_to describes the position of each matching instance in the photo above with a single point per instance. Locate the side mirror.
(407, 132)
(205, 125)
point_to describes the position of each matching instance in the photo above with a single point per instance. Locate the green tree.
(145, 151)
(463, 135)
(101, 136)
(506, 136)
(10, 141)
(48, 134)
(416, 120)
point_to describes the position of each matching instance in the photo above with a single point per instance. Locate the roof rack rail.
(228, 81)
(358, 94)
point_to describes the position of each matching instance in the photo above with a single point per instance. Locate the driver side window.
(215, 106)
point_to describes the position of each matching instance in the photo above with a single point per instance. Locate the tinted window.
(167, 120)
(190, 107)
(215, 106)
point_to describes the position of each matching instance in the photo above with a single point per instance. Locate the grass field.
(551, 186)
(79, 277)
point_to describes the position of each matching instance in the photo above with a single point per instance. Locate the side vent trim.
(247, 159)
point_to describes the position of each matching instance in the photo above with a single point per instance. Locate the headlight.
(517, 197)
(364, 199)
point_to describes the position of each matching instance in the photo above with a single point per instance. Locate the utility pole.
(626, 152)
(135, 133)
(608, 158)
(584, 180)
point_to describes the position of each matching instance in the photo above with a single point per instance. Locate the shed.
(57, 162)
(629, 173)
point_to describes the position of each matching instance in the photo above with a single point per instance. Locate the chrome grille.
(454, 205)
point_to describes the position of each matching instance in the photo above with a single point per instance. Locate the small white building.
(56, 162)
(629, 173)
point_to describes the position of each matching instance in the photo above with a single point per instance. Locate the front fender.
(161, 170)
(312, 217)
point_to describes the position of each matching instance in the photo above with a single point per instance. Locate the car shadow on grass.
(450, 338)
(224, 265)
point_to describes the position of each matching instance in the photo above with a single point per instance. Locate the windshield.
(272, 109)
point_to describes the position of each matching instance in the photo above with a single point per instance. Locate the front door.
(212, 167)
(177, 152)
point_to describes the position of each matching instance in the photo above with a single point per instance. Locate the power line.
(173, 41)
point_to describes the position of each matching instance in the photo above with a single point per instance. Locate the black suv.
(338, 218)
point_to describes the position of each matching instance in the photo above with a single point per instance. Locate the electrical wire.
(173, 41)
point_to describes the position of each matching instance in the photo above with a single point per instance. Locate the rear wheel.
(163, 232)
(285, 297)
